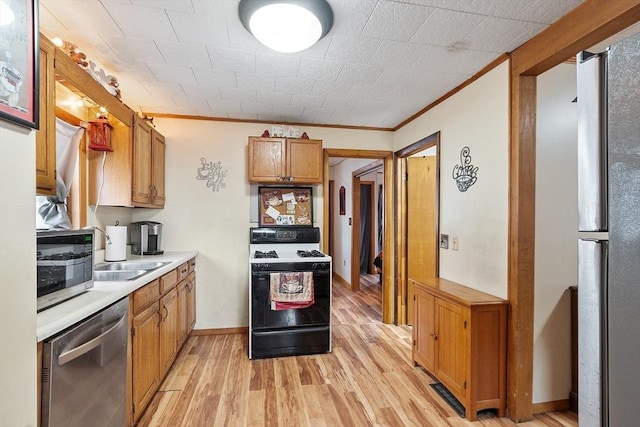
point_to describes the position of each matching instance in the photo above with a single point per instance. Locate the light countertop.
(57, 318)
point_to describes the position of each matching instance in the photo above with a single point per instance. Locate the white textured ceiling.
(382, 61)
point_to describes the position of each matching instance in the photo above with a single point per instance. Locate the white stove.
(304, 326)
(280, 245)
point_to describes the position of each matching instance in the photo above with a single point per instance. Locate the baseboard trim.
(341, 280)
(221, 331)
(553, 406)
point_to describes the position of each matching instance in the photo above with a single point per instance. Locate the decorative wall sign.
(19, 53)
(212, 173)
(465, 173)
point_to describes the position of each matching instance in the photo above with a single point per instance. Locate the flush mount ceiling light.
(286, 25)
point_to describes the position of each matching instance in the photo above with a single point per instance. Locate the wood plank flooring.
(368, 380)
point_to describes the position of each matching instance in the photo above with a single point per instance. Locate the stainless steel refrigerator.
(609, 247)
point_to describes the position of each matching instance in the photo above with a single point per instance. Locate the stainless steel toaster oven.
(64, 261)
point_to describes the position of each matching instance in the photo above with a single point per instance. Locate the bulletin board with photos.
(285, 206)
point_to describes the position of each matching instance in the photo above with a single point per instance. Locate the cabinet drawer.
(192, 264)
(145, 295)
(183, 271)
(169, 280)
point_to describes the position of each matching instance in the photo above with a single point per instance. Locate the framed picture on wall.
(285, 206)
(342, 200)
(19, 52)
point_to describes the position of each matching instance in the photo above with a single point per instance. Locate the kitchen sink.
(117, 275)
(128, 266)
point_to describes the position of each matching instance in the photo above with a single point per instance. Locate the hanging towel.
(291, 290)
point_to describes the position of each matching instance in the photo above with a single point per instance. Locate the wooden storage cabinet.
(163, 315)
(459, 336)
(134, 173)
(148, 165)
(278, 160)
(46, 134)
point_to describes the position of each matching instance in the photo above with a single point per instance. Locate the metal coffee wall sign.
(465, 174)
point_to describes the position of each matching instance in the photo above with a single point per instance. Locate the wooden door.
(46, 135)
(141, 185)
(451, 337)
(191, 302)
(158, 149)
(304, 160)
(421, 223)
(266, 159)
(183, 308)
(145, 370)
(424, 330)
(169, 329)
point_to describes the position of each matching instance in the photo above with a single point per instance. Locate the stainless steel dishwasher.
(84, 371)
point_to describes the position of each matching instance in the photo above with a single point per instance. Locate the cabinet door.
(145, 369)
(191, 302)
(424, 333)
(158, 149)
(451, 346)
(46, 135)
(266, 159)
(141, 185)
(304, 160)
(183, 308)
(168, 330)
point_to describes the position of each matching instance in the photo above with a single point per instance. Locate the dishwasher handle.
(78, 351)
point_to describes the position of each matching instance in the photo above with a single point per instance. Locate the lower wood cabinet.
(162, 310)
(460, 338)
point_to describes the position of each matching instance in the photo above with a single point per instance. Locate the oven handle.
(78, 351)
(323, 272)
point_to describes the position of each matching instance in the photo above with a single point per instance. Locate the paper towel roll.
(117, 249)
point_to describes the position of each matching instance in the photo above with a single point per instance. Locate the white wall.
(556, 231)
(477, 117)
(217, 223)
(17, 277)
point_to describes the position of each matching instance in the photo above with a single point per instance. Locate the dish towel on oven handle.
(291, 290)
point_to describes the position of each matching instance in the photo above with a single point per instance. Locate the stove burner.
(262, 254)
(313, 253)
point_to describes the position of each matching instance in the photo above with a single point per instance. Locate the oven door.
(318, 314)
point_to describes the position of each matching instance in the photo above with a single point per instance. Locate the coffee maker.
(145, 238)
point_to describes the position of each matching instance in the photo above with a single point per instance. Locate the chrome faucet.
(106, 235)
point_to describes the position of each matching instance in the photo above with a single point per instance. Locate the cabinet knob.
(435, 337)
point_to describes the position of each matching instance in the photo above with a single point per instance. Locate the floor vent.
(449, 398)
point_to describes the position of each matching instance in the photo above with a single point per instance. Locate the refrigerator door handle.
(592, 335)
(592, 142)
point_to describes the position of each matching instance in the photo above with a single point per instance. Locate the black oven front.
(293, 331)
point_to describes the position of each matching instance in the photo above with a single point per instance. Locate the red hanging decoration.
(100, 134)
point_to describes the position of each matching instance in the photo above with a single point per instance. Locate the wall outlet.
(344, 262)
(444, 241)
(454, 243)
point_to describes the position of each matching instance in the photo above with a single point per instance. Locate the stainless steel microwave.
(64, 261)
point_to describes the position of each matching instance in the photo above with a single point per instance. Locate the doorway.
(388, 240)
(418, 195)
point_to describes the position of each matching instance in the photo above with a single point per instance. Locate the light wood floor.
(368, 380)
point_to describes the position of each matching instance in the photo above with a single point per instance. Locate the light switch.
(454, 243)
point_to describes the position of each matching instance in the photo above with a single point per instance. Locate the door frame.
(388, 240)
(401, 155)
(355, 228)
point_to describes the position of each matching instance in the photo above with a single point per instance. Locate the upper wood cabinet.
(459, 336)
(46, 135)
(285, 160)
(133, 174)
(148, 166)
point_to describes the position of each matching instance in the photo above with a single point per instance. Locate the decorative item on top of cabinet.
(46, 134)
(460, 338)
(282, 160)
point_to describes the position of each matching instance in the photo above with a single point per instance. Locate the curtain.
(52, 210)
(365, 228)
